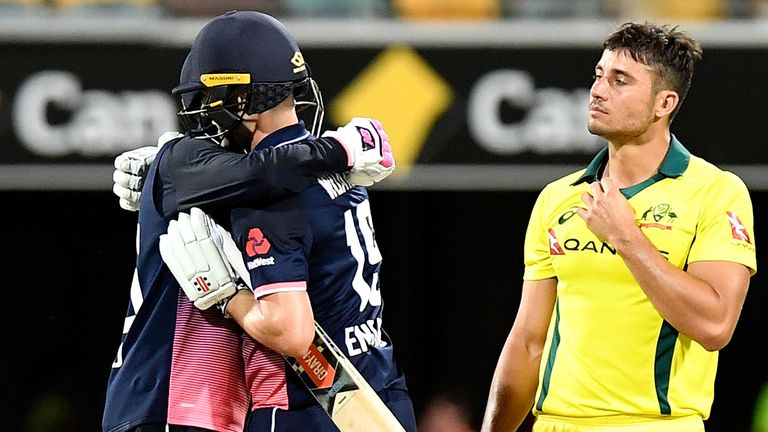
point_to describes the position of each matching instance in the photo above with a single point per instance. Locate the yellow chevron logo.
(400, 89)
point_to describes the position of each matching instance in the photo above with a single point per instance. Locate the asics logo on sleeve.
(567, 215)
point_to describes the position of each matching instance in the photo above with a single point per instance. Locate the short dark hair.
(671, 53)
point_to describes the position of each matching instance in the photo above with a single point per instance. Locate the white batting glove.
(368, 150)
(131, 169)
(193, 249)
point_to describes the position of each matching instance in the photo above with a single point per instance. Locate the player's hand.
(369, 153)
(193, 250)
(607, 212)
(131, 169)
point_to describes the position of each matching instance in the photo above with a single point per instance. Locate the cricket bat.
(329, 375)
(340, 388)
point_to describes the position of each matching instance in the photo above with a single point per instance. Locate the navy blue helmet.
(242, 62)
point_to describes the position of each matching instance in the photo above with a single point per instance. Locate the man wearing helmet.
(179, 368)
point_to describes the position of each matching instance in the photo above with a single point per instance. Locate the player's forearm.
(505, 410)
(275, 326)
(691, 305)
(206, 175)
(283, 170)
(320, 156)
(513, 389)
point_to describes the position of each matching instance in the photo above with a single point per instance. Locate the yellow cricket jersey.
(609, 356)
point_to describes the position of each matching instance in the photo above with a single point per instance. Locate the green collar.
(674, 164)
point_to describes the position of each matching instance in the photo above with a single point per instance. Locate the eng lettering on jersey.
(738, 230)
(335, 184)
(257, 244)
(359, 338)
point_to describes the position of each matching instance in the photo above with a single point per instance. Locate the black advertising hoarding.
(460, 117)
(66, 109)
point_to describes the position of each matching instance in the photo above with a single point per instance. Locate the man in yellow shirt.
(636, 268)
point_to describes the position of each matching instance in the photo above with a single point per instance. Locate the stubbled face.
(621, 98)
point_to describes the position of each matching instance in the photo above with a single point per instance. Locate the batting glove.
(369, 153)
(131, 170)
(193, 249)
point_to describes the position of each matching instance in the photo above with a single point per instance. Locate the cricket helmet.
(242, 62)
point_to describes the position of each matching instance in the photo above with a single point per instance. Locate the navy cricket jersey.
(153, 369)
(323, 240)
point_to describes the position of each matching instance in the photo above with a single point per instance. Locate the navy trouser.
(171, 428)
(315, 419)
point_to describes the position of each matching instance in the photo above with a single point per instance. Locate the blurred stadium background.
(485, 102)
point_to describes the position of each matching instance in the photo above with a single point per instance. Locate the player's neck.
(635, 160)
(271, 121)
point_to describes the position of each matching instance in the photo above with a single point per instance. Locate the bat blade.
(340, 388)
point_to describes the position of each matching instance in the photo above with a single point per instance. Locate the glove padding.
(368, 149)
(193, 249)
(131, 169)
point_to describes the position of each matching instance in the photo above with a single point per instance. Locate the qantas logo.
(738, 230)
(257, 244)
(554, 245)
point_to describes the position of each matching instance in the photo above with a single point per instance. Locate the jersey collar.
(286, 135)
(674, 164)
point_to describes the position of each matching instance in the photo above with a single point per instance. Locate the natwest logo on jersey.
(257, 244)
